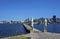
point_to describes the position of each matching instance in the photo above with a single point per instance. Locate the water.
(55, 28)
(11, 29)
(39, 27)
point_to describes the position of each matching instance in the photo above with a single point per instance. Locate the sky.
(22, 9)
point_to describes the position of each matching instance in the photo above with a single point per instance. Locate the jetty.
(37, 34)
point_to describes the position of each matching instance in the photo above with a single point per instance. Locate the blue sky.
(22, 9)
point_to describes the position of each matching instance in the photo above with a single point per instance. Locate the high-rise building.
(54, 18)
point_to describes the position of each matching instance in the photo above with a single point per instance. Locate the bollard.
(32, 24)
(45, 25)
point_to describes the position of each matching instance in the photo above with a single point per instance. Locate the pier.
(37, 34)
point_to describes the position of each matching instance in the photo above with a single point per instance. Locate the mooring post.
(31, 31)
(32, 23)
(45, 25)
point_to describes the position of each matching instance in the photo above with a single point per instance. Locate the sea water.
(55, 28)
(11, 29)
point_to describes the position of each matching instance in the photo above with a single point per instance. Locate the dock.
(37, 34)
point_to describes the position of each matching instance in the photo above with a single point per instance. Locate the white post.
(32, 28)
(45, 22)
(45, 25)
(32, 24)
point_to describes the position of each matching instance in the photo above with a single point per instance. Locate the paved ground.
(46, 35)
(43, 35)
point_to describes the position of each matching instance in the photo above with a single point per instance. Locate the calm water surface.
(11, 29)
(50, 27)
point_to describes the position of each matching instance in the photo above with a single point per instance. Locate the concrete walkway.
(36, 34)
(45, 35)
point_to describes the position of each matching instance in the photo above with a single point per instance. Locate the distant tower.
(54, 18)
